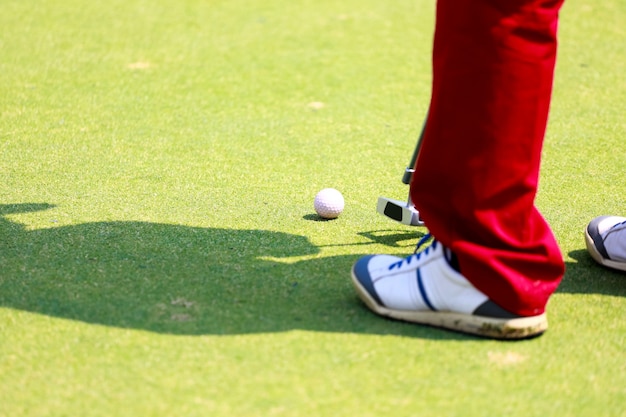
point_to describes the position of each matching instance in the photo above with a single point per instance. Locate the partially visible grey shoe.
(425, 288)
(606, 241)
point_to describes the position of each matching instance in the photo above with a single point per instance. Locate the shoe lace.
(616, 225)
(416, 255)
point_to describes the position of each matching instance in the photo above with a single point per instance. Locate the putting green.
(159, 251)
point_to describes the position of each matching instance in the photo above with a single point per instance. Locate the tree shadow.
(393, 237)
(585, 276)
(183, 280)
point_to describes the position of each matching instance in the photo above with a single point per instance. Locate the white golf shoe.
(424, 288)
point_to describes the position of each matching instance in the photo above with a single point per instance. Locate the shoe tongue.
(453, 261)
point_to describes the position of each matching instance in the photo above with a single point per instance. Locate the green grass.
(158, 249)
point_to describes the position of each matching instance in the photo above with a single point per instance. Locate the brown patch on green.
(139, 65)
(506, 358)
(181, 302)
(315, 105)
(180, 317)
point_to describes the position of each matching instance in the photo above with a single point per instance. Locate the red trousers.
(476, 176)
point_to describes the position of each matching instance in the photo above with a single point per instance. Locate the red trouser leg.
(476, 175)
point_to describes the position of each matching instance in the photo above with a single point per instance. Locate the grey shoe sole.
(489, 327)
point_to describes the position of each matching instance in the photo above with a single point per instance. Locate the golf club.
(400, 211)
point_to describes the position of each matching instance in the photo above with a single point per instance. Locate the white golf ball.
(329, 203)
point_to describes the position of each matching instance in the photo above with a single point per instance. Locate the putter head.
(400, 211)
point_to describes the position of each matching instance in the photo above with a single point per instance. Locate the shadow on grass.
(183, 280)
(585, 276)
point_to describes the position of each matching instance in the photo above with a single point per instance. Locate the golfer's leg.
(476, 176)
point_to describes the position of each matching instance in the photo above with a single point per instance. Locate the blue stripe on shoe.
(362, 273)
(420, 285)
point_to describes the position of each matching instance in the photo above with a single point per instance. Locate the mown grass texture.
(159, 253)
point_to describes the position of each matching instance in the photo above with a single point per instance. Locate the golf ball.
(328, 203)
